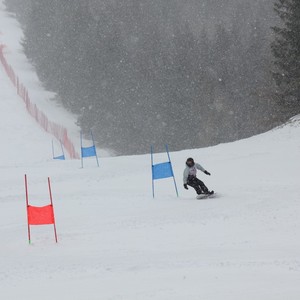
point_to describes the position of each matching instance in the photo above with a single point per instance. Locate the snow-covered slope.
(116, 242)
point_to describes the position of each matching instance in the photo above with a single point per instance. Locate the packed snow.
(116, 242)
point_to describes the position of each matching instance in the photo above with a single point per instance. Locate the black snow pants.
(197, 184)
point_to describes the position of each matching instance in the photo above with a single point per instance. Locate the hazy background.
(187, 73)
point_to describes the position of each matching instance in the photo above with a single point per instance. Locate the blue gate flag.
(88, 151)
(162, 170)
(61, 157)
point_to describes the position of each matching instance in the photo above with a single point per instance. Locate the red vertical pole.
(27, 204)
(50, 193)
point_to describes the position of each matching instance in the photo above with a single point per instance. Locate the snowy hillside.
(116, 242)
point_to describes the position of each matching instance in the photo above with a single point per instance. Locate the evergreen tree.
(142, 72)
(286, 51)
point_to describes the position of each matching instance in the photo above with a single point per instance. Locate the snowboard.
(206, 196)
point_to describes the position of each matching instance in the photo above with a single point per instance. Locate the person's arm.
(185, 175)
(199, 167)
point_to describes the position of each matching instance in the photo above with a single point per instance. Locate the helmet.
(190, 162)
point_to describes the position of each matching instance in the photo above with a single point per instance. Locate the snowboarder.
(189, 177)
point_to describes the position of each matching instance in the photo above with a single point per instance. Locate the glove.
(185, 186)
(207, 173)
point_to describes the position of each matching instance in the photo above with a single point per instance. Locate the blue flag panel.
(88, 151)
(163, 170)
(62, 157)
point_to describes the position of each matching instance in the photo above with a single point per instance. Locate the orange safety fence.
(59, 131)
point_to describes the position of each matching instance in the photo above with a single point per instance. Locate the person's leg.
(192, 181)
(202, 185)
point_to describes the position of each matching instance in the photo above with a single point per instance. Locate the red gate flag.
(40, 215)
(43, 215)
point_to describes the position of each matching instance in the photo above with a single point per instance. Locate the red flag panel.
(40, 215)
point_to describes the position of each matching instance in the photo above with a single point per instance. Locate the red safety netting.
(57, 130)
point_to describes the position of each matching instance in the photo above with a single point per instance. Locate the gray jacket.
(192, 171)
